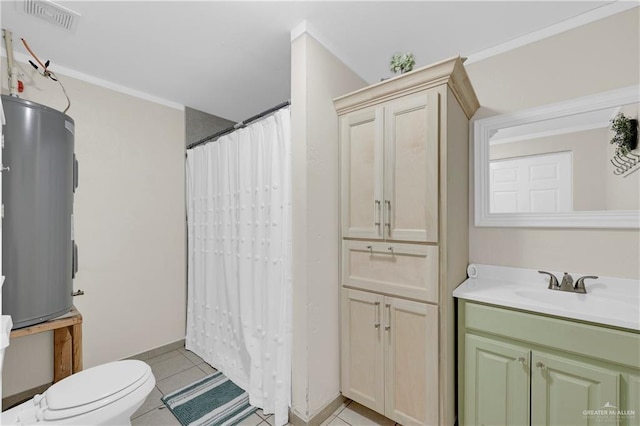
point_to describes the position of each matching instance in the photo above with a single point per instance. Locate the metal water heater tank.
(39, 256)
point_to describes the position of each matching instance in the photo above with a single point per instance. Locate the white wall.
(600, 56)
(129, 226)
(316, 78)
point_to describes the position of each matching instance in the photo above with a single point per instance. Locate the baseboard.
(320, 417)
(25, 395)
(152, 353)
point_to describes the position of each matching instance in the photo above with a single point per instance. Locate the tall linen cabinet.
(404, 228)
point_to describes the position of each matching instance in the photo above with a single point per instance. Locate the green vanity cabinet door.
(630, 400)
(496, 383)
(563, 390)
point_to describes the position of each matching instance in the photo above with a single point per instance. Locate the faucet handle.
(580, 288)
(553, 281)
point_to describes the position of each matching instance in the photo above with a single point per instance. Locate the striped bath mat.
(214, 400)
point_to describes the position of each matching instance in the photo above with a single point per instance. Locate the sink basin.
(596, 304)
(547, 298)
(608, 301)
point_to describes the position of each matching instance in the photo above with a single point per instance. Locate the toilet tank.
(38, 252)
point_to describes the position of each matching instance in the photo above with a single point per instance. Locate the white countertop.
(609, 301)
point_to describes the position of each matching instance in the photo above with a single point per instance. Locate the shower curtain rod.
(238, 125)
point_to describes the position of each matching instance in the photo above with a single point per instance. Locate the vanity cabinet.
(519, 368)
(404, 229)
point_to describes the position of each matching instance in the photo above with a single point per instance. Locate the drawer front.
(406, 270)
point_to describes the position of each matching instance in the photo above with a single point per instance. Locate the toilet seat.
(91, 389)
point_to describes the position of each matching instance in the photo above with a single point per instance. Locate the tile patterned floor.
(173, 370)
(179, 367)
(353, 414)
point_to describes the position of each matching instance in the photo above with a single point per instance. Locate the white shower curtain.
(239, 261)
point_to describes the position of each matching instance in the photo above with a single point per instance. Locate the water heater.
(39, 256)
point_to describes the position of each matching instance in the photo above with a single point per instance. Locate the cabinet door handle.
(376, 324)
(74, 259)
(388, 326)
(75, 173)
(378, 213)
(539, 365)
(522, 360)
(388, 221)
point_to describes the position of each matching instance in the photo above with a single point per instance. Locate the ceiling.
(232, 58)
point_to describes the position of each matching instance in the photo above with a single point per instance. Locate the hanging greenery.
(625, 134)
(402, 62)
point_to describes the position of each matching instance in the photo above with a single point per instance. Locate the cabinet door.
(564, 389)
(630, 401)
(362, 350)
(411, 362)
(361, 135)
(496, 382)
(411, 167)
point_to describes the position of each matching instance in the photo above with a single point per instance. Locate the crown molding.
(569, 24)
(450, 72)
(68, 72)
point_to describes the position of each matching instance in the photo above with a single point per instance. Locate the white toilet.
(108, 394)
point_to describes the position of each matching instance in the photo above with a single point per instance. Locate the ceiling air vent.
(54, 13)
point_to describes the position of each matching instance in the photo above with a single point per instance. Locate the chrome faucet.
(553, 281)
(567, 282)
